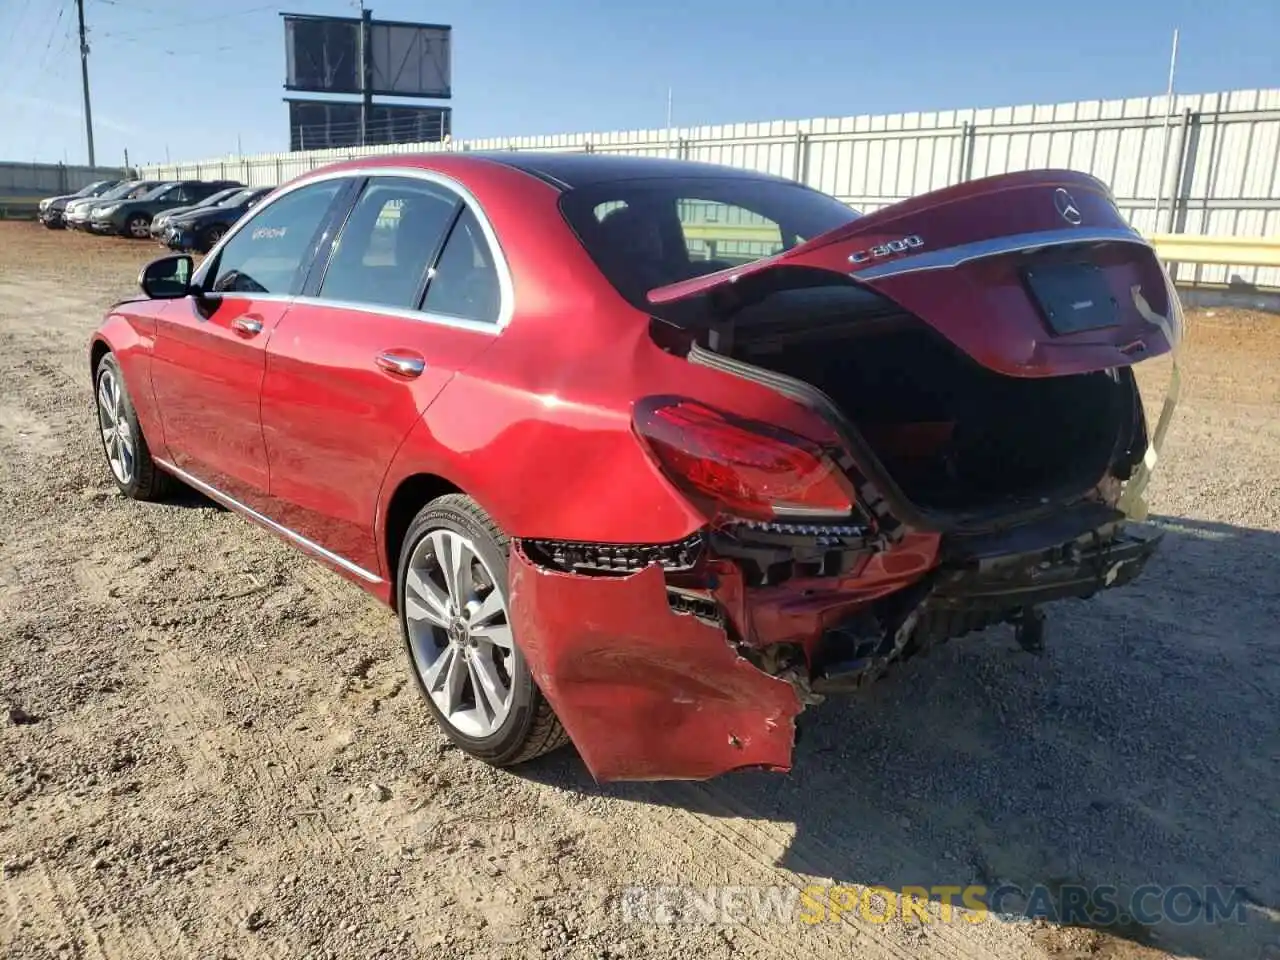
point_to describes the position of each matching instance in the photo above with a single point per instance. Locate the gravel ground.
(208, 746)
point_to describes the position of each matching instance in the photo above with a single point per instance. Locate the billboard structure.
(360, 55)
(320, 124)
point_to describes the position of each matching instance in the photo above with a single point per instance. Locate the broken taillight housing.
(744, 467)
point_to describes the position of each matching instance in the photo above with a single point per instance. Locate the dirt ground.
(209, 747)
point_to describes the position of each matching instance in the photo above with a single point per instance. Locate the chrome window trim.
(461, 323)
(506, 288)
(234, 504)
(949, 257)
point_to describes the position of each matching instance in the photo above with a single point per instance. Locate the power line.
(131, 34)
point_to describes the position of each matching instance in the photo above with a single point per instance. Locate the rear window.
(648, 233)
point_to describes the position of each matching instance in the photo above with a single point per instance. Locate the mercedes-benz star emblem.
(1066, 205)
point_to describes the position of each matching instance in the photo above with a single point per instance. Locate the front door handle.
(401, 363)
(246, 326)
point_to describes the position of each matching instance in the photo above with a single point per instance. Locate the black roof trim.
(568, 171)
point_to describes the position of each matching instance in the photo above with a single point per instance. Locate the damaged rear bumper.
(656, 680)
(644, 692)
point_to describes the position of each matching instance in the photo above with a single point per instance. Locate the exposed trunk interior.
(954, 435)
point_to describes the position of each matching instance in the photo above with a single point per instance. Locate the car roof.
(572, 170)
(567, 171)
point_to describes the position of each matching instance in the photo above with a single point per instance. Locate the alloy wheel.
(139, 228)
(117, 437)
(459, 632)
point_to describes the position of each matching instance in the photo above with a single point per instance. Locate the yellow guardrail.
(1174, 247)
(1233, 251)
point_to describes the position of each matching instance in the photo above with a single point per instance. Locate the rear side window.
(727, 233)
(267, 253)
(644, 234)
(465, 282)
(388, 241)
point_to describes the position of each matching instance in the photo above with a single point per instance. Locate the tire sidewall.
(133, 488)
(210, 237)
(508, 739)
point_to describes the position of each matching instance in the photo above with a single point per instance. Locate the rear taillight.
(744, 467)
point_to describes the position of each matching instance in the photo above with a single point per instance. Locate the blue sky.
(193, 78)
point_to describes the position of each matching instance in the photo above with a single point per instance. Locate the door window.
(388, 242)
(465, 281)
(267, 254)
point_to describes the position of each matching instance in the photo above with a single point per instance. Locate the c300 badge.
(901, 245)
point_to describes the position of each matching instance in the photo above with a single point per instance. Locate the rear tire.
(451, 588)
(126, 450)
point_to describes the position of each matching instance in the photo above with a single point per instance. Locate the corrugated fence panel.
(38, 180)
(1207, 163)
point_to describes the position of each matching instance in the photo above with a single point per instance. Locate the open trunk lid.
(1030, 274)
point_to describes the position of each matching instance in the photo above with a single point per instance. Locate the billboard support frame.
(430, 43)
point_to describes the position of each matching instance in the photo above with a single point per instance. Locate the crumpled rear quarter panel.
(646, 693)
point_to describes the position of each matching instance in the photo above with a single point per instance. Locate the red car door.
(209, 354)
(351, 369)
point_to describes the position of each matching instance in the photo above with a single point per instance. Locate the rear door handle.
(401, 363)
(246, 326)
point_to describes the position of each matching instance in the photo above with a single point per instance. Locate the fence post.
(964, 166)
(1181, 182)
(801, 172)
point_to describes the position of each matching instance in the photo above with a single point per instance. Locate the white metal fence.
(1209, 165)
(38, 180)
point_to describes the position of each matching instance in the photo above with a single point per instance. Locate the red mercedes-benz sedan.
(649, 455)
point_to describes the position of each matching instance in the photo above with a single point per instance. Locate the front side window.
(644, 234)
(387, 243)
(267, 254)
(465, 282)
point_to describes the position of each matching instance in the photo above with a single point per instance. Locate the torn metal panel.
(802, 609)
(644, 692)
(1132, 502)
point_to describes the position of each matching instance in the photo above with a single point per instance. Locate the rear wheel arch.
(413, 493)
(98, 349)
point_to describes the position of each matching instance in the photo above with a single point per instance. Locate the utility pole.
(670, 132)
(366, 72)
(84, 77)
(1164, 144)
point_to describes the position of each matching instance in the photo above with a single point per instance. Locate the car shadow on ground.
(189, 498)
(1140, 752)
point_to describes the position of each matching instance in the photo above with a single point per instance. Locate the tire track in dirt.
(434, 870)
(760, 840)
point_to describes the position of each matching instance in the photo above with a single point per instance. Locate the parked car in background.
(200, 228)
(631, 480)
(53, 209)
(131, 217)
(78, 211)
(159, 220)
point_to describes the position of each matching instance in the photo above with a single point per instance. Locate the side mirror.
(168, 278)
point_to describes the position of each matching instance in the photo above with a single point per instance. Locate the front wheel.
(452, 596)
(210, 237)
